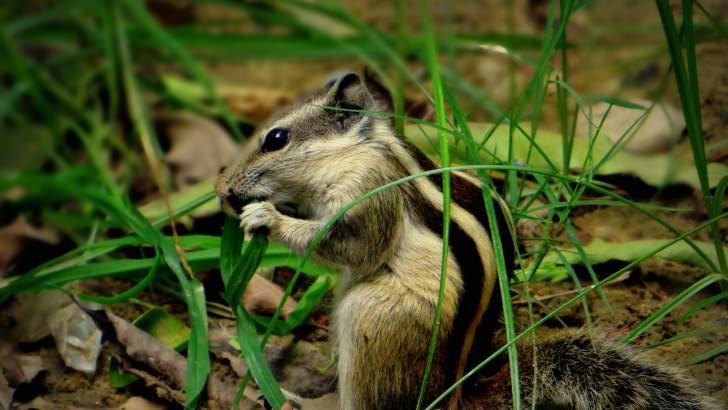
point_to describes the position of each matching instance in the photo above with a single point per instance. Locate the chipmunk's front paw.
(259, 216)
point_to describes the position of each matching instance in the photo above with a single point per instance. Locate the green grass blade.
(231, 246)
(668, 307)
(61, 188)
(168, 42)
(439, 101)
(308, 301)
(718, 350)
(691, 333)
(129, 293)
(717, 25)
(136, 105)
(564, 306)
(236, 270)
(577, 282)
(251, 349)
(703, 303)
(305, 305)
(574, 239)
(245, 268)
(687, 84)
(498, 250)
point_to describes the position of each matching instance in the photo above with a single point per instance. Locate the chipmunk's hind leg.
(383, 340)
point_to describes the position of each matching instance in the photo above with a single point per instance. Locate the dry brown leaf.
(78, 339)
(256, 104)
(262, 296)
(30, 312)
(43, 404)
(6, 393)
(199, 146)
(21, 368)
(328, 401)
(140, 403)
(144, 348)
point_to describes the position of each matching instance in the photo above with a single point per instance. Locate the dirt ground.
(302, 362)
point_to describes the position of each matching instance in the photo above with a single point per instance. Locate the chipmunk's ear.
(350, 100)
(348, 92)
(378, 91)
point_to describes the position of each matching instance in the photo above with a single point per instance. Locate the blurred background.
(116, 116)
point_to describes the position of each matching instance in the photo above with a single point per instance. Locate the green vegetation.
(80, 78)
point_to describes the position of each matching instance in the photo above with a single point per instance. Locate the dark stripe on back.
(469, 197)
(466, 255)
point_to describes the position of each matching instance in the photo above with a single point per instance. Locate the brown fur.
(574, 370)
(389, 248)
(389, 245)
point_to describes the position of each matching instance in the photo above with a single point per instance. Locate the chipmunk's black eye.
(276, 139)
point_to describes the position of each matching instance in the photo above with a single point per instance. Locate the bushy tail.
(578, 371)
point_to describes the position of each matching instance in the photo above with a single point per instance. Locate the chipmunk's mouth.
(234, 204)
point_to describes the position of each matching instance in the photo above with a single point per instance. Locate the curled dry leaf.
(199, 146)
(21, 368)
(144, 348)
(29, 313)
(16, 369)
(262, 296)
(78, 339)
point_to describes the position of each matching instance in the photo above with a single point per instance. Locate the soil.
(302, 362)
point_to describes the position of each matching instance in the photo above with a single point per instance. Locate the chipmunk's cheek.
(259, 216)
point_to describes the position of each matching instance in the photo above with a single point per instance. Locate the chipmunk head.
(290, 156)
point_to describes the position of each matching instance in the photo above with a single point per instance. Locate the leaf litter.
(635, 297)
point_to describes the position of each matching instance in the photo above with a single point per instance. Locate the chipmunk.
(316, 156)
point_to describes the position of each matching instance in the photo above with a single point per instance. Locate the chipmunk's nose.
(233, 198)
(235, 202)
(230, 202)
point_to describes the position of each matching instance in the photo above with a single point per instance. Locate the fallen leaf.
(78, 339)
(164, 327)
(254, 103)
(599, 251)
(656, 170)
(16, 369)
(30, 312)
(328, 401)
(323, 22)
(262, 296)
(199, 146)
(144, 348)
(140, 403)
(21, 368)
(6, 393)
